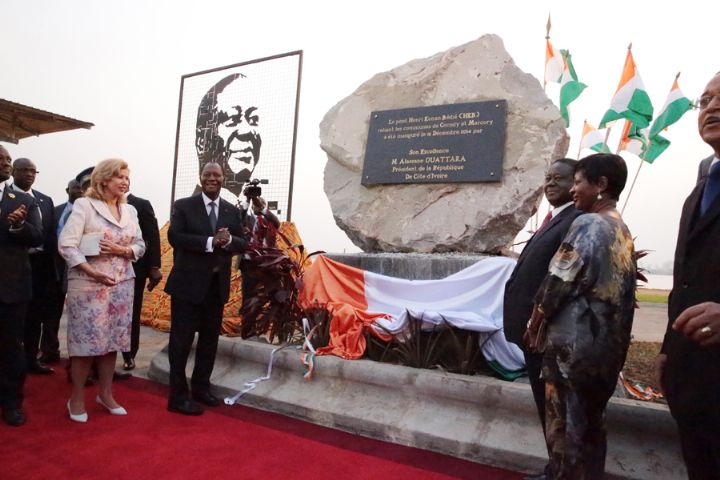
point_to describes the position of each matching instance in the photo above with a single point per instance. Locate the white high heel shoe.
(80, 417)
(113, 411)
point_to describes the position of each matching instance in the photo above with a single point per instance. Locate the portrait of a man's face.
(228, 131)
(220, 117)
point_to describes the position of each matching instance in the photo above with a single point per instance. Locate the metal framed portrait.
(243, 117)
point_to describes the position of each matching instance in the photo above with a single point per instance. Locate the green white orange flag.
(631, 100)
(634, 139)
(570, 87)
(593, 139)
(553, 63)
(676, 105)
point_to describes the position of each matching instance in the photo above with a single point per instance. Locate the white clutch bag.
(90, 244)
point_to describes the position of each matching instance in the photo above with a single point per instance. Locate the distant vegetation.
(651, 296)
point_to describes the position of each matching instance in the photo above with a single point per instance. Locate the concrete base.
(411, 266)
(477, 418)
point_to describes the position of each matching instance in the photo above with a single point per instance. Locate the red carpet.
(226, 442)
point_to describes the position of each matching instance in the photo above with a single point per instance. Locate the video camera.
(252, 188)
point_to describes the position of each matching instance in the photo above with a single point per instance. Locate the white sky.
(118, 65)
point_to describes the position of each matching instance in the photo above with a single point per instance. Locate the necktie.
(213, 217)
(546, 220)
(712, 188)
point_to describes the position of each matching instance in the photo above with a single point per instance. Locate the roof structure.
(20, 121)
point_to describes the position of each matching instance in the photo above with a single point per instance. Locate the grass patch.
(652, 296)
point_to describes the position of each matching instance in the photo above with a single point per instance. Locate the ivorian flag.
(593, 139)
(634, 139)
(631, 100)
(363, 302)
(570, 88)
(553, 64)
(676, 105)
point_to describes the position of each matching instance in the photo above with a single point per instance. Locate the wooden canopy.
(20, 121)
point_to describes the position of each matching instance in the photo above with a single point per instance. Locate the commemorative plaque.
(462, 142)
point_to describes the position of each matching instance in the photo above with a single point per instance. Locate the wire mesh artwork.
(242, 117)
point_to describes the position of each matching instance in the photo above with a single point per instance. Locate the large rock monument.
(443, 217)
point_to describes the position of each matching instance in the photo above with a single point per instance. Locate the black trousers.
(12, 354)
(187, 317)
(137, 310)
(43, 307)
(700, 441)
(49, 343)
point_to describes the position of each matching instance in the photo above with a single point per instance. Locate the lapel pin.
(11, 195)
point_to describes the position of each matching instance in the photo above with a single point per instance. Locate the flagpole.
(632, 186)
(547, 38)
(581, 139)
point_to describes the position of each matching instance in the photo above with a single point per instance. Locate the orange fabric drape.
(341, 289)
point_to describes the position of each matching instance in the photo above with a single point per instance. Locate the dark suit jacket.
(58, 260)
(704, 167)
(151, 235)
(16, 284)
(47, 214)
(531, 269)
(692, 372)
(193, 267)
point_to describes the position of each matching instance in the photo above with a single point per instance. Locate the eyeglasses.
(27, 170)
(706, 100)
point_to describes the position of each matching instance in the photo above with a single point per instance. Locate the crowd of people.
(569, 301)
(569, 305)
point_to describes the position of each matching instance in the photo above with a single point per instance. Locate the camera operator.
(260, 226)
(256, 215)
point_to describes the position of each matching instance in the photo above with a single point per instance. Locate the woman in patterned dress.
(587, 300)
(100, 284)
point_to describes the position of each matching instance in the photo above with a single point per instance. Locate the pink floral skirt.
(99, 317)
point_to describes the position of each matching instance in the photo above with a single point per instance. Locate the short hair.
(570, 162)
(103, 172)
(607, 165)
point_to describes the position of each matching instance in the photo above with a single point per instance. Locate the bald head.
(24, 172)
(5, 164)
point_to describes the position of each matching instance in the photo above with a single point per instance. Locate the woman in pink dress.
(99, 241)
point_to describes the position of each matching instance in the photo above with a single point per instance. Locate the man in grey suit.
(531, 268)
(20, 229)
(688, 366)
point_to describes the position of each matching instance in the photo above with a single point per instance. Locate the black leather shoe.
(207, 398)
(129, 364)
(13, 417)
(39, 369)
(121, 375)
(185, 407)
(49, 358)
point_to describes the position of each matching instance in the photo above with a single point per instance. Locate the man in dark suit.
(531, 268)
(20, 229)
(41, 309)
(688, 366)
(147, 268)
(49, 344)
(205, 232)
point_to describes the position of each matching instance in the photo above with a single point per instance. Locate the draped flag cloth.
(471, 299)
